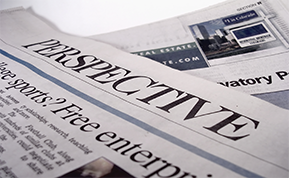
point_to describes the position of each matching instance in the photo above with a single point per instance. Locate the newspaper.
(71, 106)
(240, 44)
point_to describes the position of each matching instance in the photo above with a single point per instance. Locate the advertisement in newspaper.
(231, 35)
(71, 106)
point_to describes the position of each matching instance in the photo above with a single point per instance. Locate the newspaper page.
(72, 107)
(240, 44)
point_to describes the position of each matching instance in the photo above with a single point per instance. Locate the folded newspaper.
(72, 107)
(240, 44)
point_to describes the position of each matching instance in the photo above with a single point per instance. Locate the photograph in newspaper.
(67, 101)
(234, 35)
(100, 167)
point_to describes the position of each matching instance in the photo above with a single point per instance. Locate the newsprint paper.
(72, 107)
(240, 44)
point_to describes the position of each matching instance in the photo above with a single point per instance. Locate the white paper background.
(90, 17)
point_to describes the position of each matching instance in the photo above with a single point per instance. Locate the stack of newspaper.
(79, 107)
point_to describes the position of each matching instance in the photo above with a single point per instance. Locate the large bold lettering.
(120, 140)
(132, 78)
(54, 48)
(51, 42)
(109, 74)
(80, 61)
(102, 65)
(235, 127)
(158, 94)
(168, 170)
(179, 101)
